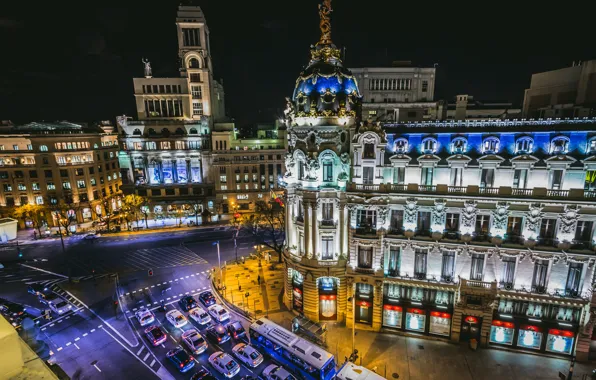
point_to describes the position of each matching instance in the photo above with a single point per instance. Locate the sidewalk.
(241, 279)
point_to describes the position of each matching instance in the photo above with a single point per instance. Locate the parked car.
(194, 341)
(207, 299)
(236, 330)
(224, 364)
(176, 318)
(145, 317)
(155, 335)
(247, 354)
(37, 289)
(60, 307)
(199, 315)
(218, 313)
(181, 359)
(275, 372)
(218, 334)
(187, 303)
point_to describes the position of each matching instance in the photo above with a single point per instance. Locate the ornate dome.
(325, 88)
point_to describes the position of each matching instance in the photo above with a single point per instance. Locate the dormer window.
(429, 145)
(490, 145)
(524, 145)
(459, 145)
(400, 146)
(137, 132)
(559, 145)
(369, 151)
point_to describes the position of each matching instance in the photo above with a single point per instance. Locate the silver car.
(199, 315)
(60, 306)
(224, 364)
(275, 372)
(194, 341)
(247, 354)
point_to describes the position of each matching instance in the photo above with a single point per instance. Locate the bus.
(306, 359)
(351, 371)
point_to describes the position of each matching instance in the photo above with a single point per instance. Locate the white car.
(247, 354)
(60, 306)
(176, 318)
(92, 236)
(145, 317)
(218, 313)
(199, 315)
(275, 372)
(194, 341)
(224, 364)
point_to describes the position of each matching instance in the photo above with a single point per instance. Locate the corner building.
(459, 230)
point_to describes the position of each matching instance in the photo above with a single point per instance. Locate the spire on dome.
(325, 22)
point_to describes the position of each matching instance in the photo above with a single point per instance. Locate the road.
(97, 339)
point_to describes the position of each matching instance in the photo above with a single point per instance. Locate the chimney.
(461, 105)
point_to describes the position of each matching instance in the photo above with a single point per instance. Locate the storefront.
(327, 299)
(364, 300)
(393, 316)
(416, 320)
(470, 328)
(87, 217)
(502, 332)
(440, 323)
(532, 337)
(297, 291)
(560, 341)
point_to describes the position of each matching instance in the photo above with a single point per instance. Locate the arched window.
(137, 132)
(400, 146)
(95, 146)
(559, 145)
(459, 145)
(165, 132)
(43, 148)
(369, 151)
(193, 131)
(151, 132)
(429, 145)
(179, 131)
(524, 145)
(193, 63)
(490, 145)
(592, 145)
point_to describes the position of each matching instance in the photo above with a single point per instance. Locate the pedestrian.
(259, 280)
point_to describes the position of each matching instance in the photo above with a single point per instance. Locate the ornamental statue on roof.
(325, 90)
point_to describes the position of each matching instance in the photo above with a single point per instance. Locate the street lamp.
(353, 301)
(219, 262)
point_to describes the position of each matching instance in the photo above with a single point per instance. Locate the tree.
(107, 211)
(133, 204)
(145, 210)
(268, 224)
(66, 214)
(196, 204)
(34, 212)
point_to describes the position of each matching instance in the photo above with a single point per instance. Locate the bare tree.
(268, 224)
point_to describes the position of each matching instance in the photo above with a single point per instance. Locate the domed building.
(321, 121)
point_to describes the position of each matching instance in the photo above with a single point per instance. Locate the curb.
(246, 315)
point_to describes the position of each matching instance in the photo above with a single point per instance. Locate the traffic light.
(150, 272)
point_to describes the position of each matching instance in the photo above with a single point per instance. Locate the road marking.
(85, 334)
(153, 286)
(67, 317)
(186, 292)
(77, 339)
(155, 303)
(148, 304)
(170, 281)
(59, 321)
(147, 288)
(173, 339)
(92, 331)
(43, 270)
(186, 276)
(78, 348)
(180, 295)
(163, 345)
(100, 326)
(128, 293)
(68, 344)
(134, 291)
(96, 367)
(169, 298)
(43, 328)
(146, 356)
(59, 349)
(135, 309)
(141, 350)
(153, 362)
(192, 275)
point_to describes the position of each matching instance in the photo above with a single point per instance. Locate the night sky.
(76, 60)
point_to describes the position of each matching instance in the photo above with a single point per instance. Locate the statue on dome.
(290, 163)
(325, 22)
(147, 64)
(312, 166)
(290, 111)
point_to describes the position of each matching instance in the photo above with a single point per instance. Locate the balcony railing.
(366, 231)
(503, 191)
(479, 284)
(327, 223)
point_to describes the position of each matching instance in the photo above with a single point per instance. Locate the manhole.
(421, 347)
(395, 376)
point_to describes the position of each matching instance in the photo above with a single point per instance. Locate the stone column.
(307, 249)
(315, 227)
(160, 168)
(174, 171)
(287, 286)
(377, 306)
(349, 308)
(311, 297)
(341, 228)
(188, 171)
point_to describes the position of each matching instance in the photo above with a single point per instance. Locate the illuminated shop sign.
(560, 341)
(502, 332)
(242, 197)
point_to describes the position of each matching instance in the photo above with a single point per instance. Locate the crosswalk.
(23, 275)
(55, 287)
(145, 355)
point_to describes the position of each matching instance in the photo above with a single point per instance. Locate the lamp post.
(353, 300)
(219, 262)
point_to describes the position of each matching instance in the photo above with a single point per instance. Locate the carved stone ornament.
(292, 139)
(500, 217)
(410, 211)
(536, 256)
(374, 128)
(291, 201)
(568, 219)
(312, 166)
(533, 218)
(579, 259)
(382, 212)
(501, 253)
(468, 214)
(438, 213)
(367, 243)
(290, 163)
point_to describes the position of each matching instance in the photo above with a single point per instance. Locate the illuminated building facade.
(61, 162)
(458, 229)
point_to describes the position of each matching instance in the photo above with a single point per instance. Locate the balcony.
(501, 192)
(365, 231)
(479, 284)
(327, 224)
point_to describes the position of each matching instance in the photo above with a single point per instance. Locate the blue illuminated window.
(559, 145)
(400, 146)
(459, 145)
(490, 145)
(429, 145)
(524, 145)
(592, 145)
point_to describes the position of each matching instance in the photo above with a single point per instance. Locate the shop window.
(416, 320)
(529, 337)
(327, 299)
(502, 332)
(364, 297)
(392, 316)
(297, 290)
(440, 323)
(560, 341)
